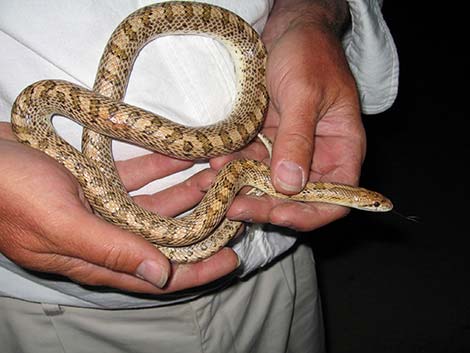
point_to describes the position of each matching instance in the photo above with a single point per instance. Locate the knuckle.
(83, 274)
(21, 245)
(115, 258)
(54, 263)
(295, 145)
(298, 138)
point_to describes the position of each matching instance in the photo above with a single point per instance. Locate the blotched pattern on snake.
(105, 116)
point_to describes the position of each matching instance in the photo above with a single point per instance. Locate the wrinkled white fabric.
(372, 56)
(189, 79)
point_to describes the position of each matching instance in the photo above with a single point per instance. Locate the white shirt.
(65, 39)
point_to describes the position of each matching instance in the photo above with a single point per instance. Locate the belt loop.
(52, 309)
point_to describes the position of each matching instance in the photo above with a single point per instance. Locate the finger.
(206, 271)
(183, 276)
(255, 150)
(97, 242)
(87, 273)
(252, 209)
(293, 147)
(139, 171)
(107, 256)
(6, 131)
(305, 217)
(178, 198)
(295, 215)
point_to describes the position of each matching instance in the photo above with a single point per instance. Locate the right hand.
(47, 225)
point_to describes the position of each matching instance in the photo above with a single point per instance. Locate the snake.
(105, 116)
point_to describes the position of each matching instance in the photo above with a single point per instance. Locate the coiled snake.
(105, 116)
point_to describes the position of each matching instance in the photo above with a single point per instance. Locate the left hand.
(313, 120)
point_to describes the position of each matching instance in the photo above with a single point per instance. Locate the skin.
(313, 120)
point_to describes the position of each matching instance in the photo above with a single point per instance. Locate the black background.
(389, 284)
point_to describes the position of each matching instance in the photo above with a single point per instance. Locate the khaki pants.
(277, 310)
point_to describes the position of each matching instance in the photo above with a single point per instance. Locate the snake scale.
(105, 116)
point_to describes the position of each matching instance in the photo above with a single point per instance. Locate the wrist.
(328, 16)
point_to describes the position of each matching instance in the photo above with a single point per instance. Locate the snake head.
(372, 201)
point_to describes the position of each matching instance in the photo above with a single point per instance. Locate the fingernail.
(290, 176)
(151, 271)
(239, 262)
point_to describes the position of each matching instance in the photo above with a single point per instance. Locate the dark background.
(389, 284)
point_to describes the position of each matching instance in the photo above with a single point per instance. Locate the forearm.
(326, 15)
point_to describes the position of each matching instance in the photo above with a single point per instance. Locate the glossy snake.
(205, 230)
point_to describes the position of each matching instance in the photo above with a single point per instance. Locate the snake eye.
(376, 204)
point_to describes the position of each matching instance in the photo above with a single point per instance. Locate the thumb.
(293, 146)
(108, 255)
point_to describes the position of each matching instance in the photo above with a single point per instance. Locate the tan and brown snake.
(105, 116)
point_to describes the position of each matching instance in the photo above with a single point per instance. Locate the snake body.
(105, 116)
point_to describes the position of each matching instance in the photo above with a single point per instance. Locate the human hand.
(47, 225)
(313, 117)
